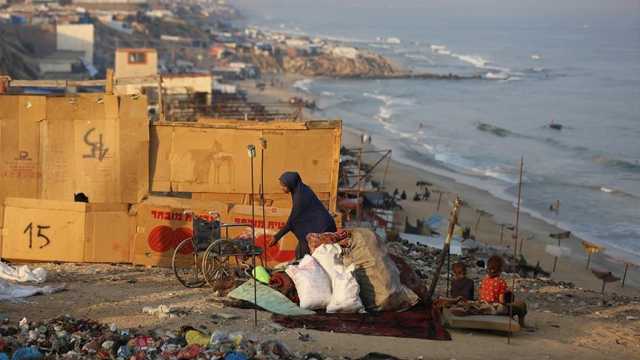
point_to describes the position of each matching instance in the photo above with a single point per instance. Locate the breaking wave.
(303, 85)
(627, 165)
(497, 76)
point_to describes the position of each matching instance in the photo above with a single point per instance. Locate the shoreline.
(497, 211)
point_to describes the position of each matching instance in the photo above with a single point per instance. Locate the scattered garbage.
(69, 338)
(164, 311)
(22, 273)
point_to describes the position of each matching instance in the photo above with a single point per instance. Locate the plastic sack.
(312, 283)
(377, 275)
(328, 256)
(346, 292)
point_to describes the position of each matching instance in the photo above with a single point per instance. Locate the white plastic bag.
(346, 292)
(312, 283)
(22, 273)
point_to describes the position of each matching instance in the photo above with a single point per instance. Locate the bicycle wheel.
(218, 269)
(186, 265)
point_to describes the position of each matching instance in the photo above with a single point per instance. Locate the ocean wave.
(620, 164)
(303, 85)
(492, 129)
(497, 76)
(474, 60)
(328, 93)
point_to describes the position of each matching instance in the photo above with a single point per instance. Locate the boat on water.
(555, 125)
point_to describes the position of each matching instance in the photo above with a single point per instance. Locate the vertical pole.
(588, 259)
(359, 207)
(448, 271)
(517, 222)
(501, 233)
(160, 99)
(515, 249)
(604, 283)
(252, 154)
(439, 200)
(108, 82)
(624, 277)
(263, 141)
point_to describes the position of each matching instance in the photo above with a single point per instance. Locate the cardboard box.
(210, 156)
(161, 224)
(275, 218)
(50, 230)
(20, 168)
(54, 146)
(96, 144)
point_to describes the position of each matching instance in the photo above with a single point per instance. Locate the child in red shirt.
(495, 292)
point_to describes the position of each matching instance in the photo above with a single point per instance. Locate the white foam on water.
(497, 75)
(303, 85)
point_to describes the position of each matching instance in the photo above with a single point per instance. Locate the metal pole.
(263, 142)
(624, 277)
(252, 154)
(588, 259)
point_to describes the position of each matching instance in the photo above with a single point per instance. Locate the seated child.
(494, 296)
(461, 287)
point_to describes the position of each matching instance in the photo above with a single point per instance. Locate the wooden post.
(439, 200)
(624, 276)
(160, 99)
(108, 85)
(4, 84)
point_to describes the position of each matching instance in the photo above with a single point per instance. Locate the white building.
(345, 51)
(76, 37)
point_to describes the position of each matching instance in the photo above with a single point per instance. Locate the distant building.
(76, 37)
(345, 51)
(60, 62)
(138, 62)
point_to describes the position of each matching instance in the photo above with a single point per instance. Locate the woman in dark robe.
(308, 214)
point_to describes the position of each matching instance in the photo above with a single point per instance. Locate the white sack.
(22, 273)
(346, 292)
(312, 283)
(328, 256)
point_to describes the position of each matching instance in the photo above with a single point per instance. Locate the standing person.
(308, 214)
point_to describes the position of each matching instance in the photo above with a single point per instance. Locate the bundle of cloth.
(352, 271)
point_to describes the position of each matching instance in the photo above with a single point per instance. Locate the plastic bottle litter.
(197, 337)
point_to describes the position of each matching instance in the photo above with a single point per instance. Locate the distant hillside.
(16, 60)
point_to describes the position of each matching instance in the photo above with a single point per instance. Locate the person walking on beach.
(308, 214)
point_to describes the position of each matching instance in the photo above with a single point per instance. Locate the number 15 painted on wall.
(40, 234)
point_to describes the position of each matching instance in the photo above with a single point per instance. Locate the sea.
(578, 67)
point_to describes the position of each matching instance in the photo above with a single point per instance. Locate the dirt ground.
(117, 294)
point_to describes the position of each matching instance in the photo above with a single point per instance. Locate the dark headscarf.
(308, 214)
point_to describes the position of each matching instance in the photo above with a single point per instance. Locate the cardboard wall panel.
(20, 121)
(95, 144)
(161, 224)
(211, 157)
(50, 230)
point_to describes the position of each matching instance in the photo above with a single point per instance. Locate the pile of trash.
(69, 338)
